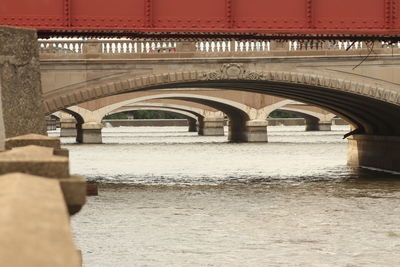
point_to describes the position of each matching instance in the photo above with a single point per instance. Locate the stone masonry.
(21, 105)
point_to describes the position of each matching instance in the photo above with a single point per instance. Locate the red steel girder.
(247, 19)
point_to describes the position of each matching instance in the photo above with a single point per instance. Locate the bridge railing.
(201, 47)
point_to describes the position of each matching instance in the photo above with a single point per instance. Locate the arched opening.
(192, 117)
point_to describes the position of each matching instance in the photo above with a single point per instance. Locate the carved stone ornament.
(232, 71)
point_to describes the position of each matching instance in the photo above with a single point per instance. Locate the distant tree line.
(144, 114)
(284, 114)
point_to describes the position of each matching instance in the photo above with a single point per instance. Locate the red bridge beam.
(239, 19)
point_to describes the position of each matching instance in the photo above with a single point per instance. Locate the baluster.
(125, 48)
(111, 48)
(138, 47)
(118, 47)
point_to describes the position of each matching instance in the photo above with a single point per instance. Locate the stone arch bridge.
(366, 95)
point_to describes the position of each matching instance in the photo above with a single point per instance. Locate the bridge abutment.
(90, 133)
(381, 152)
(68, 127)
(211, 127)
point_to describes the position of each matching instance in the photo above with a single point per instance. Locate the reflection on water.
(172, 198)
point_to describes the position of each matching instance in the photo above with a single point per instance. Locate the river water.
(171, 198)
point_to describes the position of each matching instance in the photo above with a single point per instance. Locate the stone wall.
(21, 105)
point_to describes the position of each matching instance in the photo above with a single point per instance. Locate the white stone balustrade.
(208, 47)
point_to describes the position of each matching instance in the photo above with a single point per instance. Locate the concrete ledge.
(34, 224)
(32, 139)
(374, 151)
(35, 160)
(37, 140)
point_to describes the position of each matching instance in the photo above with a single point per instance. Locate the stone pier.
(256, 131)
(90, 133)
(21, 102)
(68, 127)
(192, 125)
(381, 152)
(211, 127)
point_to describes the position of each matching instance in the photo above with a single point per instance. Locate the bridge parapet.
(208, 48)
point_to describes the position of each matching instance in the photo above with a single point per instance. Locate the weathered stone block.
(34, 224)
(92, 189)
(35, 160)
(32, 139)
(37, 140)
(21, 105)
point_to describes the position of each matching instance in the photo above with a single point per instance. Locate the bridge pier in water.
(68, 127)
(252, 131)
(381, 152)
(89, 133)
(211, 127)
(256, 131)
(192, 125)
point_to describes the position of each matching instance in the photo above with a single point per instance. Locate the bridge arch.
(310, 114)
(159, 108)
(219, 103)
(192, 117)
(370, 108)
(238, 113)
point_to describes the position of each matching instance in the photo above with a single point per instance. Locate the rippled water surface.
(171, 198)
